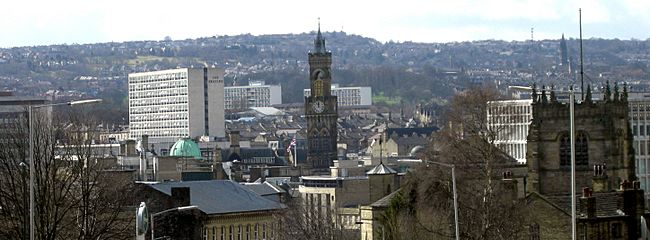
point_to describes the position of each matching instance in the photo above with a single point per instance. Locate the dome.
(416, 150)
(185, 147)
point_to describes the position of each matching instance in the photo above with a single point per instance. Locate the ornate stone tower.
(603, 140)
(320, 107)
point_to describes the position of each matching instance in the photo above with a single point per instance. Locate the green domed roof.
(185, 147)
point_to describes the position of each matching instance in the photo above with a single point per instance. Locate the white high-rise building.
(256, 94)
(176, 103)
(349, 96)
(509, 120)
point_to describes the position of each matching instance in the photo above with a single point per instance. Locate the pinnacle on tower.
(319, 42)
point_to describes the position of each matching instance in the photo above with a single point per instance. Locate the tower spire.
(319, 42)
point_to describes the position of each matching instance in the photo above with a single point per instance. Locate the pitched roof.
(221, 196)
(381, 169)
(385, 201)
(606, 203)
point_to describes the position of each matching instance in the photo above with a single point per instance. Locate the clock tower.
(321, 109)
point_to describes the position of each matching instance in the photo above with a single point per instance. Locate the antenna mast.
(582, 70)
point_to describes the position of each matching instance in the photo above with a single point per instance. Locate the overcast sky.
(40, 22)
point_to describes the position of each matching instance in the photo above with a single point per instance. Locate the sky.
(45, 22)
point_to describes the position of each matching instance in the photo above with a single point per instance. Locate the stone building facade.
(602, 137)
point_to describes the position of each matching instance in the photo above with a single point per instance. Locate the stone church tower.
(603, 139)
(321, 108)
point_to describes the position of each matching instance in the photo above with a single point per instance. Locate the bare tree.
(488, 207)
(75, 198)
(305, 222)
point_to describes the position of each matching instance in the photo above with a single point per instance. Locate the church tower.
(321, 108)
(603, 140)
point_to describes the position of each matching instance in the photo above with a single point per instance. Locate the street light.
(166, 211)
(453, 186)
(573, 152)
(30, 113)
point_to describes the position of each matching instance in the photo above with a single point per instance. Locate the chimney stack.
(510, 186)
(234, 142)
(588, 203)
(600, 181)
(217, 165)
(181, 196)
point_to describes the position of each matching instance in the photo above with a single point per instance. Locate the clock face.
(318, 106)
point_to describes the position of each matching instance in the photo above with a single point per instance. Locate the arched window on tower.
(318, 87)
(582, 150)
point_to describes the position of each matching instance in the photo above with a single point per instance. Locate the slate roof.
(607, 204)
(221, 196)
(385, 201)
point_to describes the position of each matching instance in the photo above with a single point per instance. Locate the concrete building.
(256, 94)
(176, 103)
(510, 120)
(13, 112)
(349, 96)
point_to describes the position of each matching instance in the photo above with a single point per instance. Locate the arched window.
(318, 87)
(582, 150)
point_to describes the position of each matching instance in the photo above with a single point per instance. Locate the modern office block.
(176, 103)
(509, 120)
(349, 96)
(256, 94)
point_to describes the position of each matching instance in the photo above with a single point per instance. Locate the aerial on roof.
(221, 196)
(185, 147)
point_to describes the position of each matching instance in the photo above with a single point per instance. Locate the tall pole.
(453, 184)
(31, 172)
(573, 163)
(582, 70)
(295, 154)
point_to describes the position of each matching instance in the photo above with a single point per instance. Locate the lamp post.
(30, 115)
(166, 211)
(453, 186)
(573, 152)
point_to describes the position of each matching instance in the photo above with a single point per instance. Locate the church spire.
(319, 42)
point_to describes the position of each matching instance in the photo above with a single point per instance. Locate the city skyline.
(80, 22)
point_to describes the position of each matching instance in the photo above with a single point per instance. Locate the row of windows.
(246, 90)
(182, 84)
(158, 77)
(496, 109)
(158, 117)
(159, 125)
(240, 232)
(156, 93)
(161, 133)
(176, 99)
(163, 109)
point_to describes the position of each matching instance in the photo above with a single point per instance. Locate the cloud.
(31, 22)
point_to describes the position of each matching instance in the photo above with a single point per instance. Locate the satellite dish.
(141, 220)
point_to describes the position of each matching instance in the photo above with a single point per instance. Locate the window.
(239, 232)
(318, 87)
(264, 231)
(617, 230)
(534, 231)
(223, 233)
(248, 232)
(582, 150)
(255, 235)
(230, 233)
(205, 234)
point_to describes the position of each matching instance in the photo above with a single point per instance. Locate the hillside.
(407, 71)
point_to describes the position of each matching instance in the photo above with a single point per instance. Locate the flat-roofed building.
(256, 94)
(176, 103)
(510, 120)
(349, 96)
